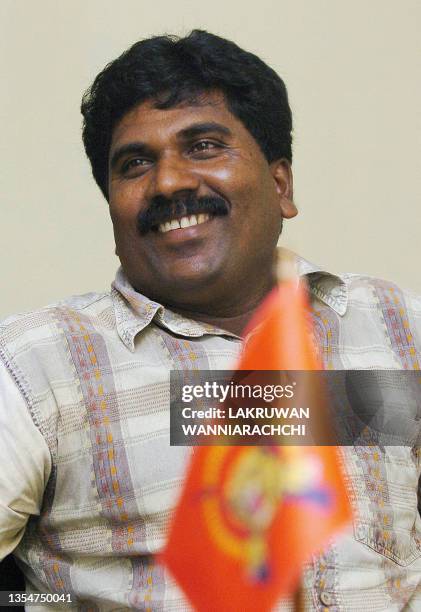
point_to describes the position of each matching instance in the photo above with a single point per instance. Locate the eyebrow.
(187, 133)
(203, 128)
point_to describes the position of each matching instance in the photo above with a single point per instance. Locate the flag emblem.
(243, 488)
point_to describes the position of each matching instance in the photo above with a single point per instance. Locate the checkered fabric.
(88, 479)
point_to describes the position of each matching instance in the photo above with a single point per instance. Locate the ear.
(282, 174)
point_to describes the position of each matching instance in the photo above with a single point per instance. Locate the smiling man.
(190, 142)
(194, 160)
(189, 191)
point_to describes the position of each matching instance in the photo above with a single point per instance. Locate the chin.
(192, 280)
(198, 268)
(177, 279)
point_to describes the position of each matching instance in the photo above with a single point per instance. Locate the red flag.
(250, 516)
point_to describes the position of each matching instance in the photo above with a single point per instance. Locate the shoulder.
(364, 288)
(375, 303)
(37, 326)
(362, 297)
(350, 291)
(366, 322)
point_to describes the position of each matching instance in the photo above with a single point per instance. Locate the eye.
(135, 163)
(205, 147)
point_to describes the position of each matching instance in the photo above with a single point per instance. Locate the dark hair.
(173, 70)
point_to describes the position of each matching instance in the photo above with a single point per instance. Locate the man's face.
(166, 164)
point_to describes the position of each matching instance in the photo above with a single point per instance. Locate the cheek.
(256, 195)
(124, 203)
(243, 193)
(260, 213)
(124, 210)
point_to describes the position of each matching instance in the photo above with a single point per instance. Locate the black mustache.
(162, 209)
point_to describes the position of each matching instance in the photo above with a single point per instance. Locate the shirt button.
(361, 532)
(326, 598)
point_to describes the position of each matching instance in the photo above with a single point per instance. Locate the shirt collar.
(327, 287)
(134, 311)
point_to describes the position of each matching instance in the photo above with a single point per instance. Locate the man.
(190, 143)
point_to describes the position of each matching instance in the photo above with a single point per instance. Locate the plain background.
(353, 74)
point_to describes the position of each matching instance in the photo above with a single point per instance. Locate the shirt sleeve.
(25, 464)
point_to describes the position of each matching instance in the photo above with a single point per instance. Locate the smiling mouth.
(183, 222)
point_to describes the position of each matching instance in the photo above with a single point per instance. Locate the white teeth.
(183, 222)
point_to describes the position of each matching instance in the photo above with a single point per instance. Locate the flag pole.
(286, 270)
(286, 266)
(299, 599)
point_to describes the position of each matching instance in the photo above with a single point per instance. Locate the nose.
(172, 176)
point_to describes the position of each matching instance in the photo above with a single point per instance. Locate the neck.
(228, 305)
(233, 320)
(234, 325)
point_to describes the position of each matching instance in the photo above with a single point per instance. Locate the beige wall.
(353, 73)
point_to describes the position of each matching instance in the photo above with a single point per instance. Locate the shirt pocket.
(384, 482)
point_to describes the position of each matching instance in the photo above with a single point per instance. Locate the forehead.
(145, 122)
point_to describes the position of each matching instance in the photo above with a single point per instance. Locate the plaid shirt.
(88, 478)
